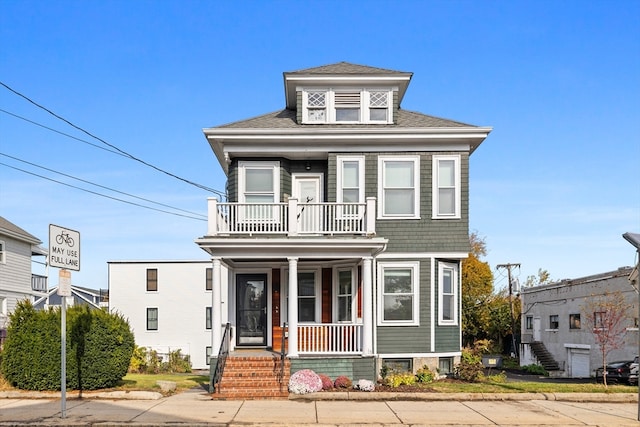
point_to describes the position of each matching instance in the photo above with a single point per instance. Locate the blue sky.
(554, 186)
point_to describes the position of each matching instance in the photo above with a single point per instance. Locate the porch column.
(216, 306)
(293, 307)
(367, 307)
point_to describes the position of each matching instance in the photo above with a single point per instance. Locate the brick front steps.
(254, 377)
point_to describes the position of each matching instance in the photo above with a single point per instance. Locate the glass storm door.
(251, 300)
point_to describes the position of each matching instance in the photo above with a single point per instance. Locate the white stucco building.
(167, 303)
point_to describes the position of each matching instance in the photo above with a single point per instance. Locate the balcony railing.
(291, 218)
(38, 283)
(334, 338)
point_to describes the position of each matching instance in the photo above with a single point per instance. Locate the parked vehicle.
(633, 375)
(617, 372)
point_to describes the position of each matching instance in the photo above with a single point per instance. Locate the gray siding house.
(346, 222)
(17, 282)
(555, 333)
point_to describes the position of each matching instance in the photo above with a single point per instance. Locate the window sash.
(344, 296)
(208, 314)
(152, 279)
(554, 321)
(399, 293)
(208, 279)
(152, 319)
(307, 298)
(399, 187)
(448, 291)
(350, 179)
(446, 186)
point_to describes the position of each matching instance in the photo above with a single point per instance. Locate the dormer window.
(346, 106)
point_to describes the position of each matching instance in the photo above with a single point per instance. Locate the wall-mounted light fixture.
(307, 166)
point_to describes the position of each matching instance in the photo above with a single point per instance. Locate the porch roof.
(281, 248)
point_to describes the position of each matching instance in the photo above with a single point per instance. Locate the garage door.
(579, 363)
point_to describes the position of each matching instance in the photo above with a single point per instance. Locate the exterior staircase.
(254, 376)
(544, 357)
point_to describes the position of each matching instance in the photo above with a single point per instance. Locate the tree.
(543, 278)
(477, 290)
(606, 318)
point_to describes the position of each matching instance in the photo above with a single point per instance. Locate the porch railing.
(336, 338)
(38, 283)
(291, 218)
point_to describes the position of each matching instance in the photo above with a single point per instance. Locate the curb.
(467, 397)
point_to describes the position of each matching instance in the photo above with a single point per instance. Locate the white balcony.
(291, 218)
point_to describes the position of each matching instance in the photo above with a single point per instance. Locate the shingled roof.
(286, 119)
(346, 68)
(10, 229)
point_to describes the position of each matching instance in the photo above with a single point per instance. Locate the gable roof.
(8, 228)
(343, 73)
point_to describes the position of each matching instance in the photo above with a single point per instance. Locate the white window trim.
(341, 160)
(458, 187)
(147, 320)
(442, 266)
(415, 282)
(330, 110)
(354, 293)
(416, 181)
(242, 167)
(3, 252)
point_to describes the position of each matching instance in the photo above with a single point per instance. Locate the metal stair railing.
(221, 360)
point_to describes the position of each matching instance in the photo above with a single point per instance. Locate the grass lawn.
(188, 381)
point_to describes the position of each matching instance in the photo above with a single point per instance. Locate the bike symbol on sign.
(64, 237)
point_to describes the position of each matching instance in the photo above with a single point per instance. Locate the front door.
(251, 292)
(307, 188)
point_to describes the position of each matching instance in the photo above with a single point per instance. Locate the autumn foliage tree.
(606, 318)
(477, 292)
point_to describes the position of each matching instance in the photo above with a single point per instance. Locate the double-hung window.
(399, 187)
(350, 185)
(208, 281)
(399, 293)
(344, 295)
(259, 189)
(446, 186)
(152, 279)
(3, 257)
(308, 300)
(152, 319)
(448, 293)
(207, 314)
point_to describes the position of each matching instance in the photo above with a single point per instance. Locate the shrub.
(99, 348)
(364, 385)
(535, 370)
(424, 375)
(397, 379)
(342, 382)
(177, 363)
(470, 367)
(305, 381)
(384, 371)
(327, 384)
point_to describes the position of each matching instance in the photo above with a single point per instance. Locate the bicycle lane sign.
(64, 248)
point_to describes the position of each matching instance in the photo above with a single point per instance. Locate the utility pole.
(509, 266)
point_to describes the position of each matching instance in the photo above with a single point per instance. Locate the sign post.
(64, 253)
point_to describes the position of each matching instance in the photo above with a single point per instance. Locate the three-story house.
(346, 223)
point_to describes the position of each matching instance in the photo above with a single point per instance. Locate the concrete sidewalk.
(195, 408)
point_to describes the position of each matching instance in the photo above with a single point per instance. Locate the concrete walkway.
(195, 408)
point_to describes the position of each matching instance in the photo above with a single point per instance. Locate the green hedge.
(99, 348)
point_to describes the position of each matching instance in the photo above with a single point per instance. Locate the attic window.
(346, 106)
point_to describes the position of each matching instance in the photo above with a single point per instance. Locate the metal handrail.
(221, 360)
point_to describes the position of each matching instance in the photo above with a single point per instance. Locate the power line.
(61, 133)
(100, 194)
(102, 186)
(132, 157)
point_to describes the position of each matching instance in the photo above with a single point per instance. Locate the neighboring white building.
(167, 304)
(553, 318)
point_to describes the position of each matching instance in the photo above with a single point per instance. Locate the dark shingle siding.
(346, 68)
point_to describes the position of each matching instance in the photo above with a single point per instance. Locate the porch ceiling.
(279, 248)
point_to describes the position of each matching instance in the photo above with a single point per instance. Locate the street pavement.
(196, 408)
